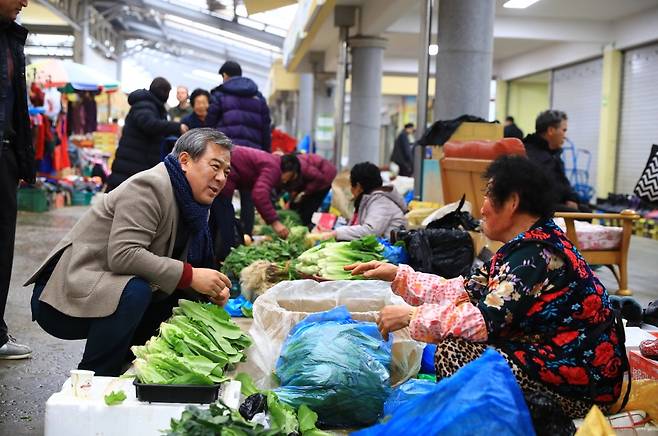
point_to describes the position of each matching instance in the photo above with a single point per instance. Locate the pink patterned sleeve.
(418, 288)
(434, 322)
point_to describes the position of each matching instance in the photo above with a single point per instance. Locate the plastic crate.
(81, 198)
(32, 200)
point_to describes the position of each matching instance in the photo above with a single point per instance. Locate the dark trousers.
(247, 214)
(222, 227)
(8, 205)
(308, 205)
(135, 320)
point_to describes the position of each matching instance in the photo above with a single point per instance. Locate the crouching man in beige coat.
(121, 269)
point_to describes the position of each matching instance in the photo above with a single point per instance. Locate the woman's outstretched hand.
(374, 269)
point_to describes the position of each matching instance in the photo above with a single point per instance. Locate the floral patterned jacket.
(539, 302)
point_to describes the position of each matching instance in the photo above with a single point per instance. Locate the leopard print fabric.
(453, 353)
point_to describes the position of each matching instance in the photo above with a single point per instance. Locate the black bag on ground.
(444, 248)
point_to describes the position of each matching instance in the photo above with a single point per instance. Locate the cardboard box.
(641, 367)
(477, 131)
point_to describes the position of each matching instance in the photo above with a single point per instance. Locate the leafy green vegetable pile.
(277, 251)
(328, 258)
(218, 419)
(288, 218)
(194, 347)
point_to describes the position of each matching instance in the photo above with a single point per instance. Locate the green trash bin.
(32, 200)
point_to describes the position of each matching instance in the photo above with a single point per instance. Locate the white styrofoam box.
(70, 416)
(635, 335)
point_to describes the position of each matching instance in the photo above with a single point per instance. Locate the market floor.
(26, 385)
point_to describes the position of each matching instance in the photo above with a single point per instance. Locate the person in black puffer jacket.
(145, 129)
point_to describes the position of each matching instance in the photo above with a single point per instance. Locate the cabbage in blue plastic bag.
(338, 367)
(483, 396)
(407, 391)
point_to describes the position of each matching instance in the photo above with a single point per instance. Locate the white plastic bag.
(289, 302)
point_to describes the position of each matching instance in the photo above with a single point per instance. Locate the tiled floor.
(26, 385)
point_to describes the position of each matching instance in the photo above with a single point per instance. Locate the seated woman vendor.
(377, 209)
(537, 302)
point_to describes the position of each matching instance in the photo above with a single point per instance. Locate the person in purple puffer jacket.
(240, 111)
(254, 171)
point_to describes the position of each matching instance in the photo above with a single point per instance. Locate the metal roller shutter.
(576, 90)
(638, 123)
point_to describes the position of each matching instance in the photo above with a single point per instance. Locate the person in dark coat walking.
(402, 151)
(511, 130)
(16, 154)
(140, 146)
(308, 178)
(544, 147)
(240, 111)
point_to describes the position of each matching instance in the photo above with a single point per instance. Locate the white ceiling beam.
(548, 29)
(377, 16)
(546, 58)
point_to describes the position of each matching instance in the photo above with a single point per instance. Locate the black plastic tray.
(198, 394)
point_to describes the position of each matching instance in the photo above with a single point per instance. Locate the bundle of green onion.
(327, 259)
(194, 347)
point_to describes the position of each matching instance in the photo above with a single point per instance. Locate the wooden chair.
(461, 176)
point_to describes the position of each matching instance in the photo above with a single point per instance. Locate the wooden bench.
(461, 176)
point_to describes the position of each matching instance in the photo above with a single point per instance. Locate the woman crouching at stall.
(537, 301)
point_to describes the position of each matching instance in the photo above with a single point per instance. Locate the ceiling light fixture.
(519, 4)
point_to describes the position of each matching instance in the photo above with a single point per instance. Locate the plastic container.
(198, 394)
(81, 198)
(32, 200)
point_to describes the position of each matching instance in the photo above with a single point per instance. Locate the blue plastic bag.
(405, 392)
(427, 361)
(234, 306)
(395, 254)
(336, 366)
(483, 396)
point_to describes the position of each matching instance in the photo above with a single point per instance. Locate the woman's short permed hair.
(368, 175)
(197, 92)
(517, 174)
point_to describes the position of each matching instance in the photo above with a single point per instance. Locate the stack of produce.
(218, 419)
(288, 218)
(327, 260)
(278, 251)
(194, 347)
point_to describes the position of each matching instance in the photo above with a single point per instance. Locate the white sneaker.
(13, 351)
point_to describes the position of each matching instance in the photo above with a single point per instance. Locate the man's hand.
(572, 204)
(183, 128)
(280, 229)
(393, 318)
(375, 269)
(211, 283)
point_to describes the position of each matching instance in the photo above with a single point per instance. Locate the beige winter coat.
(129, 233)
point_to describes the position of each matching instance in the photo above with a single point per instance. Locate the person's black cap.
(231, 69)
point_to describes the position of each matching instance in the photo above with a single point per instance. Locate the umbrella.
(69, 76)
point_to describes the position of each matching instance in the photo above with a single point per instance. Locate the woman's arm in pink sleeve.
(435, 322)
(418, 288)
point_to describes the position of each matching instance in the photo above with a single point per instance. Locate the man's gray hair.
(195, 141)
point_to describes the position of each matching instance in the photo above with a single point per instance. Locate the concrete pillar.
(365, 99)
(324, 113)
(305, 107)
(464, 61)
(609, 121)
